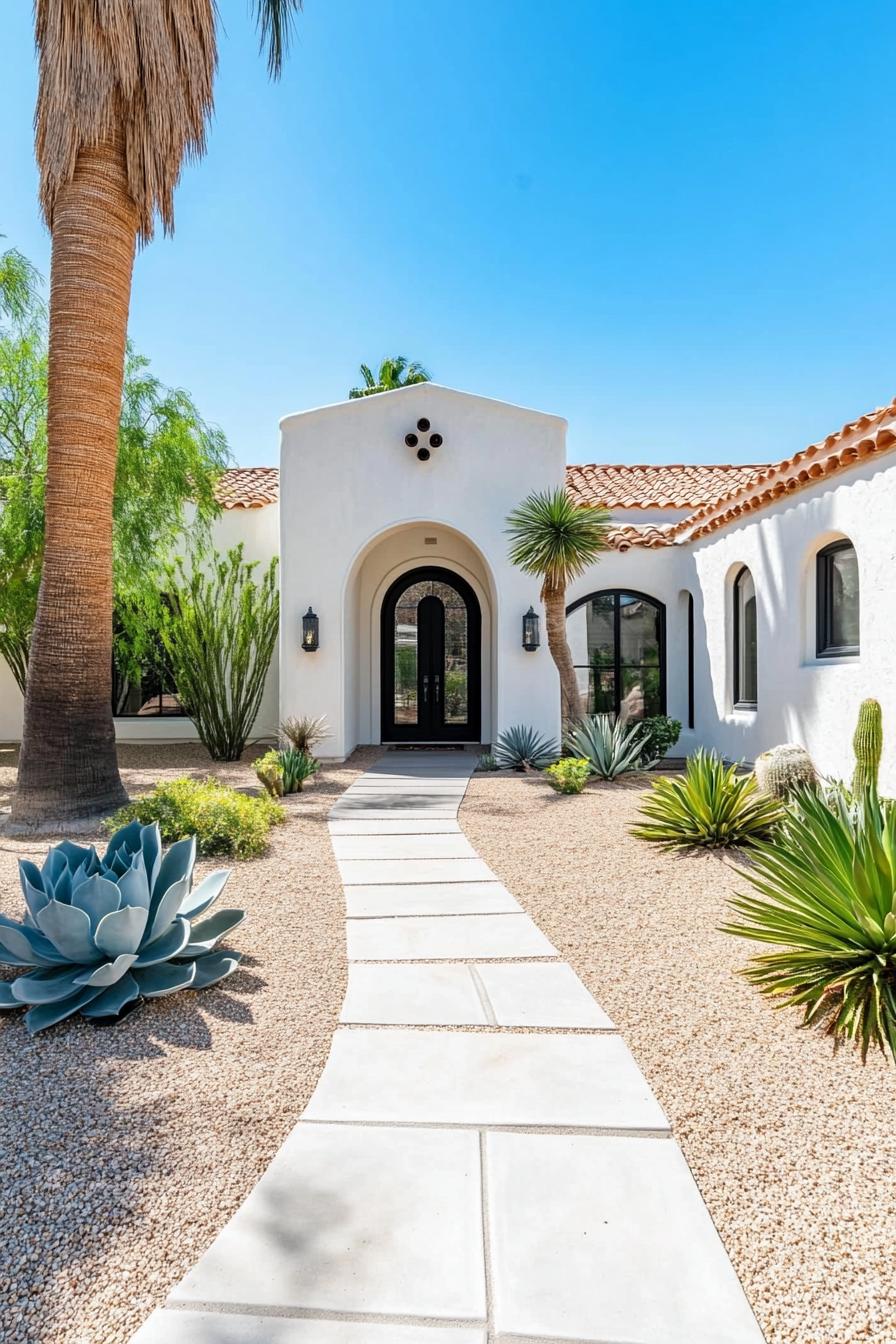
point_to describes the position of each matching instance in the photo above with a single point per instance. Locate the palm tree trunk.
(554, 599)
(68, 767)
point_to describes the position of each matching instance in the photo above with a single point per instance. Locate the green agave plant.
(100, 934)
(709, 805)
(521, 748)
(825, 895)
(610, 746)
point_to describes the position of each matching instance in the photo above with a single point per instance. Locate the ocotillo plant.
(867, 744)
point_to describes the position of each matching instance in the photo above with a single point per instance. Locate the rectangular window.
(837, 590)
(147, 691)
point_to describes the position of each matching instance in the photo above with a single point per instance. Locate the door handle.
(425, 690)
(436, 679)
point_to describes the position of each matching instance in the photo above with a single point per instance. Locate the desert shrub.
(304, 733)
(219, 629)
(270, 772)
(610, 746)
(521, 748)
(487, 762)
(710, 805)
(223, 820)
(660, 735)
(825, 896)
(297, 766)
(569, 775)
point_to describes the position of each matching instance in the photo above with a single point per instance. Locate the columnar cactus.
(101, 934)
(867, 745)
(782, 769)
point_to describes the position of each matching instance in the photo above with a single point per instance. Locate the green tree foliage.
(392, 373)
(219, 628)
(168, 459)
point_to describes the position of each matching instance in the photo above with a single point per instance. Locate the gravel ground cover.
(125, 1149)
(793, 1148)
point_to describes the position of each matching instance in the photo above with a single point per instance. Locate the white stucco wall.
(802, 698)
(347, 480)
(258, 530)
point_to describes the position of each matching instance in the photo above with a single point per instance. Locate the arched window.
(837, 601)
(618, 643)
(745, 649)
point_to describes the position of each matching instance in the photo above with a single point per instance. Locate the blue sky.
(673, 224)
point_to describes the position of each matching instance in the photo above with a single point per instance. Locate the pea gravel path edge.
(481, 1160)
(793, 1147)
(125, 1149)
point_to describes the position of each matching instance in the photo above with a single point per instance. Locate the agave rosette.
(101, 933)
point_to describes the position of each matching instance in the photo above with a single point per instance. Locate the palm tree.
(557, 540)
(124, 96)
(392, 373)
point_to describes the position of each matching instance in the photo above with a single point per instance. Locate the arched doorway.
(430, 653)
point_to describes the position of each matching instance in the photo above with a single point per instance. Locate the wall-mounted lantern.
(310, 632)
(531, 631)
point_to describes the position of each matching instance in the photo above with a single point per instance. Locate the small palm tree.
(392, 373)
(557, 540)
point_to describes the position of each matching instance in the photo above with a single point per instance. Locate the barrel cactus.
(867, 744)
(782, 769)
(102, 934)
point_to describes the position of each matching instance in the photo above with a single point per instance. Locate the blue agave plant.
(101, 933)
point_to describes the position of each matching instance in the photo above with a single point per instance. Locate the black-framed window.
(618, 643)
(837, 601)
(145, 690)
(690, 605)
(746, 660)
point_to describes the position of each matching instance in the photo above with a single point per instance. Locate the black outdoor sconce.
(310, 632)
(531, 632)
(413, 440)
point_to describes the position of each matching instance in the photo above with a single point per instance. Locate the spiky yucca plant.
(99, 934)
(305, 732)
(521, 748)
(825, 895)
(710, 805)
(610, 746)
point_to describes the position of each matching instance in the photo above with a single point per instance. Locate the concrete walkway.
(482, 1161)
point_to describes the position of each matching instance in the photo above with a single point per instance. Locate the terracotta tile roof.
(248, 487)
(679, 486)
(855, 441)
(623, 538)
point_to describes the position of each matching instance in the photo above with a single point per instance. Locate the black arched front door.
(431, 643)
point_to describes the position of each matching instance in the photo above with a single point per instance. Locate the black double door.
(431, 649)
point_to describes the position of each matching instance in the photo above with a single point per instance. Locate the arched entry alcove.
(390, 566)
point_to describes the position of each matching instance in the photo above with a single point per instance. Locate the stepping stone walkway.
(482, 1161)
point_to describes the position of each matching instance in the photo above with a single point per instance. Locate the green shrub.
(610, 746)
(487, 762)
(521, 748)
(826, 897)
(569, 775)
(660, 735)
(223, 820)
(710, 805)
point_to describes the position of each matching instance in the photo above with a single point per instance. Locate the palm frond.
(275, 19)
(554, 538)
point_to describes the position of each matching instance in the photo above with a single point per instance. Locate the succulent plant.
(297, 766)
(487, 762)
(521, 748)
(100, 934)
(611, 746)
(781, 770)
(867, 745)
(306, 732)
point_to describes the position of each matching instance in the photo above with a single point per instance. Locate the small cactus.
(782, 769)
(867, 745)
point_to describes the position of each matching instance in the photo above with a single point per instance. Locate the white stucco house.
(757, 604)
